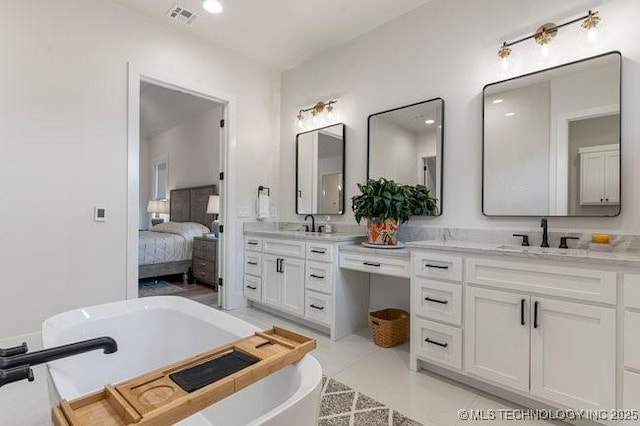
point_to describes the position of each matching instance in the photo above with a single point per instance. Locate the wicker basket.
(389, 327)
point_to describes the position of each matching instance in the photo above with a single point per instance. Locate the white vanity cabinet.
(300, 277)
(542, 329)
(631, 376)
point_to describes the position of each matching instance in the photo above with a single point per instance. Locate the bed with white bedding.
(168, 242)
(167, 248)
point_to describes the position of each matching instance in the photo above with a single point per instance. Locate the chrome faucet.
(16, 363)
(545, 233)
(313, 223)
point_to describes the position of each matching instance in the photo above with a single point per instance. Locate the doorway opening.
(177, 198)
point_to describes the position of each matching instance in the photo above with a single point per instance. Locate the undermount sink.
(549, 250)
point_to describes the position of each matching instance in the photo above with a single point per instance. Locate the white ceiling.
(163, 109)
(282, 33)
(413, 118)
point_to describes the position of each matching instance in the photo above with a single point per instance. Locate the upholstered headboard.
(190, 204)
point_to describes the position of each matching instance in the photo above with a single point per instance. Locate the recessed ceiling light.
(429, 121)
(497, 101)
(212, 6)
(510, 114)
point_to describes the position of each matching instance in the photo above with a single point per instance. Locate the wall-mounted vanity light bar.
(545, 33)
(316, 110)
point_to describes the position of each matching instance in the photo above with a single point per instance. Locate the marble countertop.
(359, 248)
(308, 236)
(617, 258)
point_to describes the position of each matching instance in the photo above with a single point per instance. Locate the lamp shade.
(158, 206)
(214, 204)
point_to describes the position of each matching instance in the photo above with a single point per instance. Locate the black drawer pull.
(252, 263)
(377, 265)
(317, 276)
(428, 265)
(318, 251)
(443, 302)
(252, 243)
(535, 314)
(433, 342)
(522, 321)
(320, 308)
(252, 288)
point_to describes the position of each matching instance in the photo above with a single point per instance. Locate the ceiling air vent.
(181, 15)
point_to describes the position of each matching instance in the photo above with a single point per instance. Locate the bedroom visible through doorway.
(181, 137)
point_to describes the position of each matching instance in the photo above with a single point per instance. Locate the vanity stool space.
(541, 326)
(205, 253)
(297, 275)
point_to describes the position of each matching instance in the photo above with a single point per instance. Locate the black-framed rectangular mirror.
(405, 144)
(320, 163)
(551, 141)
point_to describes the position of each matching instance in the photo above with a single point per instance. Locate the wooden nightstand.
(205, 265)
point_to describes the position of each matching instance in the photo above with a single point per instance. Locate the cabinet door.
(612, 177)
(573, 354)
(592, 166)
(292, 278)
(496, 337)
(271, 281)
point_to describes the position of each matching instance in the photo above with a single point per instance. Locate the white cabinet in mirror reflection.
(320, 171)
(600, 175)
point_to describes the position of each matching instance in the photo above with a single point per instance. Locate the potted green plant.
(385, 204)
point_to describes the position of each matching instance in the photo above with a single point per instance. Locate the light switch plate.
(100, 214)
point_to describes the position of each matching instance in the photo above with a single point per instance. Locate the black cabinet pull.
(318, 251)
(320, 308)
(377, 265)
(252, 243)
(442, 302)
(252, 288)
(316, 276)
(252, 263)
(433, 342)
(535, 314)
(278, 265)
(428, 265)
(522, 302)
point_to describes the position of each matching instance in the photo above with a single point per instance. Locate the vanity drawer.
(632, 340)
(318, 307)
(253, 263)
(253, 243)
(438, 300)
(438, 343)
(548, 279)
(377, 264)
(436, 265)
(320, 251)
(632, 291)
(253, 288)
(284, 247)
(318, 277)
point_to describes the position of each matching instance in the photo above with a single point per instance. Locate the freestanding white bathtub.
(152, 332)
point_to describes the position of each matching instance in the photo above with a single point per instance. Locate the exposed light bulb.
(300, 118)
(315, 117)
(330, 112)
(212, 6)
(592, 34)
(505, 63)
(544, 50)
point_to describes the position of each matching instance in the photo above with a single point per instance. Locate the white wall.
(517, 162)
(63, 144)
(393, 138)
(448, 48)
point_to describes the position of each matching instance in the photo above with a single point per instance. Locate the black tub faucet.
(17, 363)
(545, 233)
(313, 223)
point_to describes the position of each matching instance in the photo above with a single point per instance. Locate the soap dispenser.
(328, 228)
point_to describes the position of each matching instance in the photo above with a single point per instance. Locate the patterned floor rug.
(157, 288)
(343, 406)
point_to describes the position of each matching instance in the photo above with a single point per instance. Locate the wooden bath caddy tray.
(177, 391)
